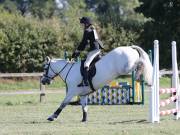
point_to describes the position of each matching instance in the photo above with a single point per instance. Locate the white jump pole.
(154, 100)
(155, 91)
(175, 78)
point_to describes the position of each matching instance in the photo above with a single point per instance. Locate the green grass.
(33, 83)
(165, 82)
(24, 115)
(27, 84)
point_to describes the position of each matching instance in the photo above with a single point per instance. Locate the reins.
(56, 74)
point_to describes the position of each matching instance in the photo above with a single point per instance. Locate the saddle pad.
(91, 72)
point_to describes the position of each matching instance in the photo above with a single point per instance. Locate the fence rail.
(166, 72)
(20, 75)
(42, 87)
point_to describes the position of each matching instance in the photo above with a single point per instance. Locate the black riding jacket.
(89, 38)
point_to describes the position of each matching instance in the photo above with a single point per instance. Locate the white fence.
(41, 87)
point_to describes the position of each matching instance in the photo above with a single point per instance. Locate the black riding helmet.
(85, 20)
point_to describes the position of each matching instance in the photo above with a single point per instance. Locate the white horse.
(119, 61)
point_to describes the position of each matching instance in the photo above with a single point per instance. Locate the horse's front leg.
(83, 101)
(62, 106)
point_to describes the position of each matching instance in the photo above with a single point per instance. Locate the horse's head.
(49, 74)
(53, 68)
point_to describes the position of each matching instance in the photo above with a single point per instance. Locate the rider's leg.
(87, 63)
(85, 78)
(90, 57)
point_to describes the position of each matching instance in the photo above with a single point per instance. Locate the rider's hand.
(75, 54)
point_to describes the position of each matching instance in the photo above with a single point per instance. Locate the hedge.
(24, 42)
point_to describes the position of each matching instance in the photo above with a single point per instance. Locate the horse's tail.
(148, 69)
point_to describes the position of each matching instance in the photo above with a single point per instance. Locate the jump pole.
(155, 91)
(154, 100)
(175, 78)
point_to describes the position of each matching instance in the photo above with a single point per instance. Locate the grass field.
(33, 83)
(25, 115)
(27, 84)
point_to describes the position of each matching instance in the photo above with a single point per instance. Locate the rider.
(90, 37)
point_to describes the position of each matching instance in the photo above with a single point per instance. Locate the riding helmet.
(85, 20)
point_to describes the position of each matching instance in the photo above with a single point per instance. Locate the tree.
(69, 18)
(116, 11)
(24, 42)
(164, 25)
(37, 8)
(8, 5)
(42, 8)
(119, 17)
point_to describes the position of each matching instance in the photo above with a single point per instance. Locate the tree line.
(31, 29)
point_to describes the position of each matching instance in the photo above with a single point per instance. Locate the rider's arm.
(83, 42)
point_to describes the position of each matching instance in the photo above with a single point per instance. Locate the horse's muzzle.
(45, 81)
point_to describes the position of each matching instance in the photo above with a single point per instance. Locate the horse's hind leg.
(83, 101)
(63, 105)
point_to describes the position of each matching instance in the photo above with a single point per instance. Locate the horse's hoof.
(83, 120)
(50, 119)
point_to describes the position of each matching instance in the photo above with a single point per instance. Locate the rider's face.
(83, 25)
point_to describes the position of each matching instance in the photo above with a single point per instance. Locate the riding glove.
(75, 54)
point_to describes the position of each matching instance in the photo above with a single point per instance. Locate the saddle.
(92, 70)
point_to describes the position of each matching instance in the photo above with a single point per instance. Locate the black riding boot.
(85, 78)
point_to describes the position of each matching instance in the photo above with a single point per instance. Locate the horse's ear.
(48, 59)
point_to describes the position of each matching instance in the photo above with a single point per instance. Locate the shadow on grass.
(10, 103)
(37, 122)
(29, 122)
(129, 122)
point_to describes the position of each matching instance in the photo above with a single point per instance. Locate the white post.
(154, 100)
(42, 91)
(175, 77)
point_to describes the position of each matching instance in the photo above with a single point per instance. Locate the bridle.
(56, 74)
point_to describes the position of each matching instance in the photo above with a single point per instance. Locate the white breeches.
(91, 56)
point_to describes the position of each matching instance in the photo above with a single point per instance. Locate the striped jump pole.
(175, 78)
(155, 102)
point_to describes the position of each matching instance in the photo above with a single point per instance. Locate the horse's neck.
(61, 66)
